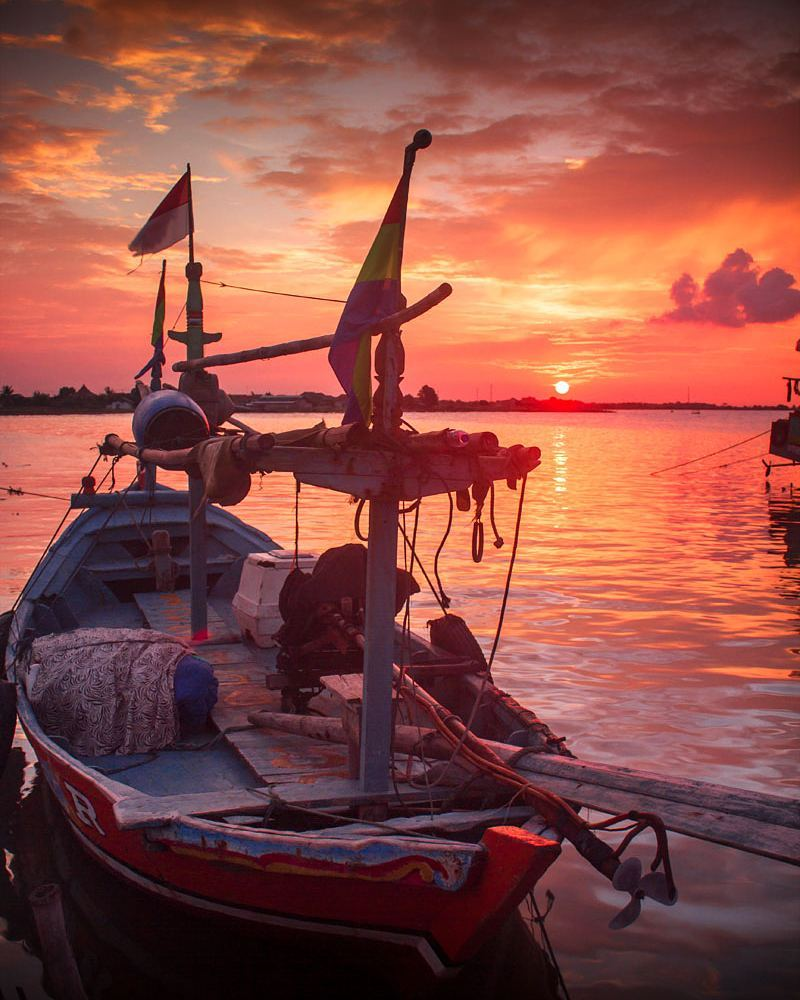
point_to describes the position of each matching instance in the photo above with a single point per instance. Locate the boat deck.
(272, 756)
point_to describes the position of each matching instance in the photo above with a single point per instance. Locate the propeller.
(654, 885)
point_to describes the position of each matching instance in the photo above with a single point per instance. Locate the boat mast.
(195, 339)
(376, 723)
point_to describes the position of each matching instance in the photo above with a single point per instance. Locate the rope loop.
(357, 521)
(477, 540)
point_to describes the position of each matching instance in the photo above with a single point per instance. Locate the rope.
(484, 681)
(724, 465)
(357, 521)
(98, 534)
(511, 561)
(14, 492)
(34, 572)
(540, 919)
(711, 454)
(498, 538)
(444, 600)
(296, 559)
(267, 291)
(292, 807)
(416, 559)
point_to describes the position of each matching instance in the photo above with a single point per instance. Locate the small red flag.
(170, 222)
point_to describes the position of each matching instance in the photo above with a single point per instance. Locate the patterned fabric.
(106, 690)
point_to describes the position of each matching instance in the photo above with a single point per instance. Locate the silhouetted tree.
(428, 398)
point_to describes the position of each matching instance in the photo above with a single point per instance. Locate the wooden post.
(198, 555)
(376, 719)
(195, 338)
(57, 956)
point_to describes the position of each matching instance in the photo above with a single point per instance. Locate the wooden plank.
(446, 824)
(717, 798)
(330, 793)
(170, 612)
(751, 835)
(136, 811)
(277, 756)
(132, 498)
(348, 687)
(123, 570)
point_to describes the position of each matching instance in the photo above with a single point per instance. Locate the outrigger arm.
(391, 322)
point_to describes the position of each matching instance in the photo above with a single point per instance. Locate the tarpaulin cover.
(105, 690)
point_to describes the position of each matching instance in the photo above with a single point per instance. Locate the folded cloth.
(225, 476)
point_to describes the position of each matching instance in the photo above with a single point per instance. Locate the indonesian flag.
(170, 222)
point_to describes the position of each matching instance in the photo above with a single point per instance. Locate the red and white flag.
(170, 222)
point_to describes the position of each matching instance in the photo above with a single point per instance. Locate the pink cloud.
(735, 294)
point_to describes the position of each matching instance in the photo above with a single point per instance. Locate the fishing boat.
(784, 438)
(246, 729)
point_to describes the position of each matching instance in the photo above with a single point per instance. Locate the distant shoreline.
(445, 406)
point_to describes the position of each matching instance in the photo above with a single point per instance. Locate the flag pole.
(379, 613)
(191, 214)
(195, 338)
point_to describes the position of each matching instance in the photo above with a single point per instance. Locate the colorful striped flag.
(375, 294)
(157, 340)
(170, 222)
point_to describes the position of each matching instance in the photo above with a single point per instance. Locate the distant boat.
(784, 440)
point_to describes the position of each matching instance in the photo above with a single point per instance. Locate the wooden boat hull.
(446, 901)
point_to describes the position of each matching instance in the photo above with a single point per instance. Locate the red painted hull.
(372, 888)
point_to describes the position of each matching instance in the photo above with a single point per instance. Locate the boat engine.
(323, 619)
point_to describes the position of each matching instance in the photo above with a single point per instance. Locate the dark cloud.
(735, 294)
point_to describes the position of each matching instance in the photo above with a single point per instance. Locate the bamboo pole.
(392, 322)
(249, 445)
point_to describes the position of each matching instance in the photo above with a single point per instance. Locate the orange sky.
(586, 156)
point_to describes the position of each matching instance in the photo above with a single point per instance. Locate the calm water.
(653, 621)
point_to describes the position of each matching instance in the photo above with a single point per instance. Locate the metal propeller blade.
(655, 886)
(627, 914)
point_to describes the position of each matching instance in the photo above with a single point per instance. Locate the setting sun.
(561, 387)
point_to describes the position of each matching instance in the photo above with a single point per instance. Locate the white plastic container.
(256, 602)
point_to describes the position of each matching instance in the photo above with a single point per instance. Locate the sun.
(561, 387)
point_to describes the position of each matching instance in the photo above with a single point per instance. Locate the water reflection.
(784, 527)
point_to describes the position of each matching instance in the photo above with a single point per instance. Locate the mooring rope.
(724, 465)
(711, 454)
(14, 492)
